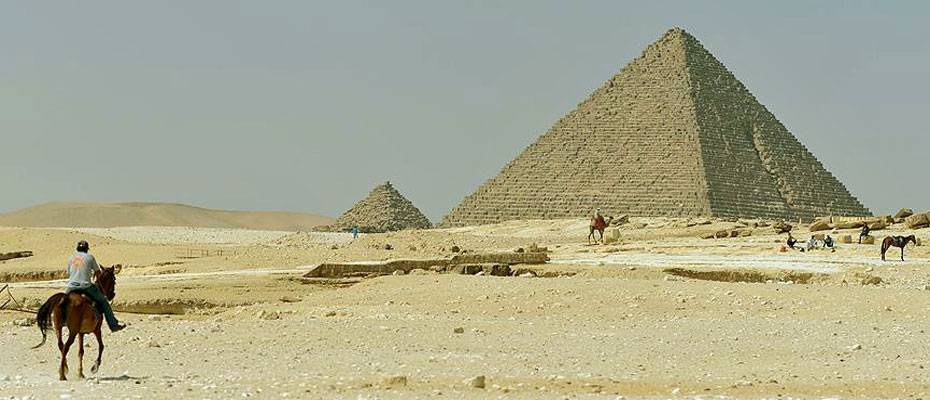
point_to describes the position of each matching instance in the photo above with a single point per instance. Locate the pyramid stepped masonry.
(673, 134)
(383, 210)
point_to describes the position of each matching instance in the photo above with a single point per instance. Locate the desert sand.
(109, 215)
(219, 314)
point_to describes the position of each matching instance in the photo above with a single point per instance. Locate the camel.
(598, 224)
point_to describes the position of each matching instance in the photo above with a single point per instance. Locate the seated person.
(812, 244)
(828, 243)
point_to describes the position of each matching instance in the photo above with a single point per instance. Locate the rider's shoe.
(118, 327)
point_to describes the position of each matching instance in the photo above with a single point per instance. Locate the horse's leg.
(590, 234)
(63, 369)
(99, 335)
(902, 254)
(601, 234)
(81, 355)
(61, 345)
(884, 249)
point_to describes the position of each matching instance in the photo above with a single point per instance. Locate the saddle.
(899, 241)
(87, 298)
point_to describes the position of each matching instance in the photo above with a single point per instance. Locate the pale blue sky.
(305, 106)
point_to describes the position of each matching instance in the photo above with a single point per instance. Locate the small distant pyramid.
(383, 210)
(673, 134)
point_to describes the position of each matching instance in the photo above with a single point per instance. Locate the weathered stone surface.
(850, 225)
(877, 225)
(674, 133)
(611, 235)
(820, 225)
(904, 213)
(475, 262)
(869, 239)
(383, 210)
(918, 221)
(782, 227)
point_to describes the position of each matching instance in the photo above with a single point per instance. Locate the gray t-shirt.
(82, 267)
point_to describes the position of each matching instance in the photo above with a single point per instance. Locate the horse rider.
(864, 232)
(598, 218)
(81, 266)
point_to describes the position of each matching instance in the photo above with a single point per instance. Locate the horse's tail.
(44, 316)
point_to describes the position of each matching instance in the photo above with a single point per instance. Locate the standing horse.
(598, 224)
(897, 241)
(78, 314)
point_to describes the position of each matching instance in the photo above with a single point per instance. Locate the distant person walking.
(354, 232)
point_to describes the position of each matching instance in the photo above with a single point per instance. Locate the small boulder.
(477, 382)
(846, 239)
(868, 239)
(458, 330)
(612, 235)
(397, 380)
(782, 227)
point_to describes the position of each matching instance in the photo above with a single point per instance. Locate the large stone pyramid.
(383, 210)
(673, 134)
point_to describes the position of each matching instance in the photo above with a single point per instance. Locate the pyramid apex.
(677, 31)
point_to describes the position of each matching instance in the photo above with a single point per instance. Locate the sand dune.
(109, 215)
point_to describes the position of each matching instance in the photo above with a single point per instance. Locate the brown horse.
(897, 241)
(78, 314)
(598, 224)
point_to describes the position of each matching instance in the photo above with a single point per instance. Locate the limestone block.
(917, 221)
(821, 225)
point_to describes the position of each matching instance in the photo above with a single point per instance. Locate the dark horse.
(598, 224)
(78, 314)
(896, 241)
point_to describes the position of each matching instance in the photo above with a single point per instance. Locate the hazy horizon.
(300, 106)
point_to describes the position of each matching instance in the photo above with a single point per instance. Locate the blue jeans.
(103, 305)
